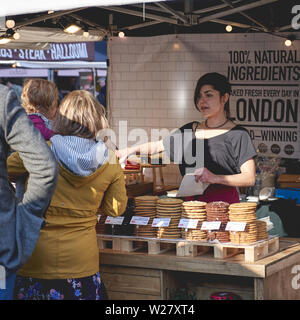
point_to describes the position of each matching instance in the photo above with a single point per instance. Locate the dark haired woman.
(216, 150)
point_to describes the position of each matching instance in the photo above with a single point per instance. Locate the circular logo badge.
(262, 148)
(289, 149)
(275, 148)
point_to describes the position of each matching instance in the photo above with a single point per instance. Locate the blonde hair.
(39, 95)
(80, 114)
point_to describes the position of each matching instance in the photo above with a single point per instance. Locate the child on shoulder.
(40, 100)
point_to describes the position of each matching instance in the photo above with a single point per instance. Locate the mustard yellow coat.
(67, 246)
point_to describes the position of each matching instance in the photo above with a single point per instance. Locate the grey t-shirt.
(223, 154)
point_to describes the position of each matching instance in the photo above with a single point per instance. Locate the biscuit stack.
(262, 233)
(194, 210)
(169, 208)
(218, 211)
(145, 206)
(244, 212)
(248, 236)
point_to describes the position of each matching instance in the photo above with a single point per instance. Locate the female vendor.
(216, 150)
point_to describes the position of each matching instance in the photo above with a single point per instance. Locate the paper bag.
(189, 187)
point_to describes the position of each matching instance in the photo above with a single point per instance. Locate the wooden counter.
(137, 275)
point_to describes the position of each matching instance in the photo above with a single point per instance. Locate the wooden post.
(258, 289)
(126, 245)
(219, 251)
(116, 244)
(154, 179)
(180, 248)
(153, 247)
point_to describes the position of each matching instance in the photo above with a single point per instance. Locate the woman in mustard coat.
(65, 262)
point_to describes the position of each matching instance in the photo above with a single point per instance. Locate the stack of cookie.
(169, 208)
(218, 211)
(248, 236)
(262, 233)
(244, 212)
(145, 206)
(194, 210)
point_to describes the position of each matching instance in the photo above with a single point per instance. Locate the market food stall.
(134, 275)
(158, 258)
(151, 83)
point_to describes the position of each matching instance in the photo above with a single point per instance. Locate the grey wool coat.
(20, 223)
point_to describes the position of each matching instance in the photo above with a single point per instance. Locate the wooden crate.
(252, 252)
(187, 248)
(123, 283)
(289, 181)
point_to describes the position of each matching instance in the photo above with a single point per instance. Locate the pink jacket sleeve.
(40, 125)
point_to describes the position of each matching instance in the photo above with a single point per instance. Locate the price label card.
(211, 225)
(188, 223)
(235, 226)
(141, 221)
(161, 222)
(114, 220)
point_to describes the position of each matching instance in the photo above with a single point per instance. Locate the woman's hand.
(244, 179)
(204, 175)
(122, 155)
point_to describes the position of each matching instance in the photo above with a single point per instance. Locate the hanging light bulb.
(86, 32)
(228, 28)
(16, 35)
(288, 43)
(289, 40)
(121, 34)
(73, 28)
(10, 23)
(176, 46)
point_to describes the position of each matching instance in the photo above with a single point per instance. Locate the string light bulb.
(121, 34)
(73, 28)
(228, 28)
(16, 36)
(288, 43)
(85, 32)
(176, 45)
(10, 23)
(289, 40)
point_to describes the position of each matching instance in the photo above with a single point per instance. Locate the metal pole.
(51, 75)
(94, 81)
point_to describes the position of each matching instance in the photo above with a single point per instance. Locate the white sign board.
(188, 223)
(113, 220)
(235, 226)
(138, 220)
(211, 225)
(161, 222)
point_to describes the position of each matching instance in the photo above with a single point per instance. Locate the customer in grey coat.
(20, 223)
